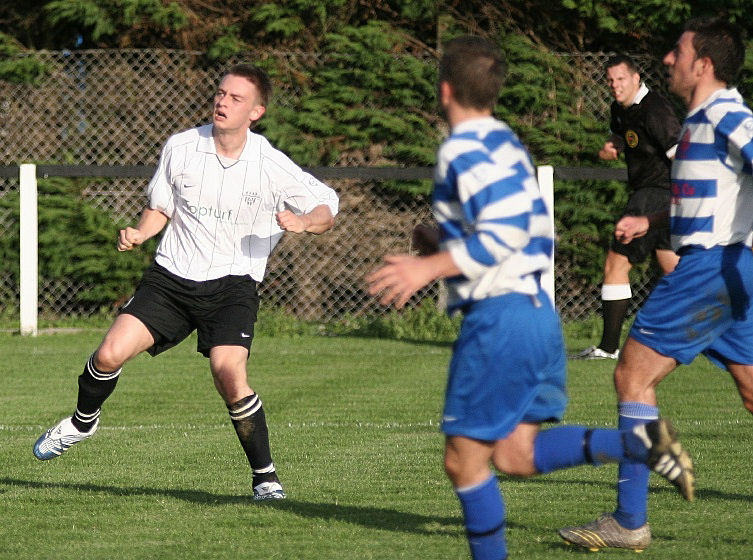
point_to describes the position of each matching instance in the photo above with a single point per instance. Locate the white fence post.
(28, 273)
(545, 175)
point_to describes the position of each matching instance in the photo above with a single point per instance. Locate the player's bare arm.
(151, 223)
(403, 275)
(319, 220)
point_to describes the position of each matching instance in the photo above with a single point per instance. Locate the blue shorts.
(508, 366)
(704, 306)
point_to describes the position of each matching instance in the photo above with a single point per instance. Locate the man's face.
(623, 84)
(683, 66)
(237, 104)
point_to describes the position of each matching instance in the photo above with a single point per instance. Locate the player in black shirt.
(645, 128)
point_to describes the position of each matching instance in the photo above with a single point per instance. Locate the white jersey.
(712, 185)
(222, 212)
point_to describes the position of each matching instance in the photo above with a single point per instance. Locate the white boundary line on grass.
(354, 424)
(298, 425)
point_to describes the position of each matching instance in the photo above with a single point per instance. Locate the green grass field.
(354, 432)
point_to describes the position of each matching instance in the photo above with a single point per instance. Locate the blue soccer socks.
(570, 446)
(632, 481)
(484, 514)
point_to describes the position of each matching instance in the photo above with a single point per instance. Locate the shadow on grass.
(665, 488)
(367, 516)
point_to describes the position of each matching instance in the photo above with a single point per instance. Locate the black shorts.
(222, 311)
(645, 201)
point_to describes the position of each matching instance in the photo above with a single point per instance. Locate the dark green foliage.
(363, 102)
(77, 245)
(97, 22)
(18, 69)
(365, 91)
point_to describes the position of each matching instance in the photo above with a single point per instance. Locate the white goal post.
(28, 278)
(29, 258)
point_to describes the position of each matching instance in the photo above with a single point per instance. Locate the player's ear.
(256, 113)
(445, 93)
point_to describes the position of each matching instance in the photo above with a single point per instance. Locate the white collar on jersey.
(206, 144)
(642, 92)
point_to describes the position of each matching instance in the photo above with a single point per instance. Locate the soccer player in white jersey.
(507, 374)
(705, 305)
(226, 196)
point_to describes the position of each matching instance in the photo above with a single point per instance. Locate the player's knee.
(109, 357)
(515, 458)
(452, 467)
(520, 465)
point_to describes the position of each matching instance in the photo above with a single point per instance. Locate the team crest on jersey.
(631, 138)
(251, 198)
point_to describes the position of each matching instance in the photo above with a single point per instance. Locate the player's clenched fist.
(289, 221)
(128, 238)
(630, 227)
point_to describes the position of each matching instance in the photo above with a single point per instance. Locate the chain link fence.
(117, 107)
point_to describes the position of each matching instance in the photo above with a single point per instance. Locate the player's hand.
(630, 227)
(608, 151)
(288, 221)
(398, 279)
(129, 238)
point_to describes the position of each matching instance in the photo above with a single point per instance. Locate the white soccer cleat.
(268, 491)
(595, 353)
(55, 441)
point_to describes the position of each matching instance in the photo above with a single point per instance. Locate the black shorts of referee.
(643, 202)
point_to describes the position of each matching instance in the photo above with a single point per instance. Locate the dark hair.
(475, 70)
(721, 42)
(618, 59)
(256, 76)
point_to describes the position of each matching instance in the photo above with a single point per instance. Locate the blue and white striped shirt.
(491, 216)
(712, 185)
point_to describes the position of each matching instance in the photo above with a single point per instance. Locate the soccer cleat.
(595, 353)
(605, 532)
(667, 457)
(55, 441)
(268, 491)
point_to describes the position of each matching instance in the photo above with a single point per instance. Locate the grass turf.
(353, 423)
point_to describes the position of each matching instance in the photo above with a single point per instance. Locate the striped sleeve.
(494, 200)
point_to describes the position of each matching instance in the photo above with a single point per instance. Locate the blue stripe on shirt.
(687, 226)
(730, 122)
(539, 246)
(478, 252)
(695, 151)
(496, 191)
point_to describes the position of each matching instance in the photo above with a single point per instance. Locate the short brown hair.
(618, 59)
(722, 43)
(256, 76)
(475, 70)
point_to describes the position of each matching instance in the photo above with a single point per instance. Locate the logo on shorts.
(245, 335)
(631, 137)
(646, 332)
